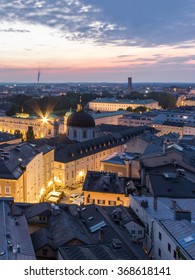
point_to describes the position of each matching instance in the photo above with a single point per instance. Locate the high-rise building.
(129, 84)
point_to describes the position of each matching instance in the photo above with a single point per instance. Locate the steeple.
(80, 106)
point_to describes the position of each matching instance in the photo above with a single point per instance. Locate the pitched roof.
(15, 241)
(67, 153)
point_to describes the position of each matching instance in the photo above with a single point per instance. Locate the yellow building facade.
(41, 126)
(106, 199)
(110, 104)
(30, 173)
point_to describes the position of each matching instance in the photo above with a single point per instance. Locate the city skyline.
(97, 41)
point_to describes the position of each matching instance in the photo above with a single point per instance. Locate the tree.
(129, 109)
(165, 99)
(30, 133)
(140, 109)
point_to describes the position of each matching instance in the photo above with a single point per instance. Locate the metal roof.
(15, 241)
(184, 233)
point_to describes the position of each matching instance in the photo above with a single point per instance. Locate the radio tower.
(38, 77)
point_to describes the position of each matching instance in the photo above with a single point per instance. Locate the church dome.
(68, 113)
(80, 118)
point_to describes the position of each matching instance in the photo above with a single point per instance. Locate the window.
(101, 201)
(160, 236)
(169, 247)
(84, 134)
(159, 252)
(75, 133)
(91, 201)
(112, 202)
(175, 255)
(0, 190)
(133, 232)
(139, 231)
(60, 166)
(72, 174)
(7, 190)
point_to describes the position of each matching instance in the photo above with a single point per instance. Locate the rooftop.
(121, 158)
(15, 241)
(67, 153)
(124, 101)
(80, 227)
(170, 181)
(104, 182)
(108, 114)
(14, 158)
(6, 137)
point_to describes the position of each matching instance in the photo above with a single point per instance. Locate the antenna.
(38, 77)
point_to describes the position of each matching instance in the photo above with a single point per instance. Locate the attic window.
(188, 239)
(72, 154)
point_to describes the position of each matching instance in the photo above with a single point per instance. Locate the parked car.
(74, 196)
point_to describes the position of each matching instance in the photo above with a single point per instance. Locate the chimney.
(155, 202)
(164, 148)
(101, 235)
(174, 204)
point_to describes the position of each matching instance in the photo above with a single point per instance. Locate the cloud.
(130, 23)
(15, 30)
(177, 59)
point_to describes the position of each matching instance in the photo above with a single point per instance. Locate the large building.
(72, 161)
(26, 171)
(180, 128)
(137, 119)
(107, 189)
(112, 104)
(129, 84)
(170, 228)
(42, 127)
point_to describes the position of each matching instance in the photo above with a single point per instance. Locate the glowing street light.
(45, 120)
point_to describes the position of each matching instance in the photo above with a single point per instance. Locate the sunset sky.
(97, 40)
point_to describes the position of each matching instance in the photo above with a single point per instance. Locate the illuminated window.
(91, 201)
(101, 201)
(112, 202)
(7, 190)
